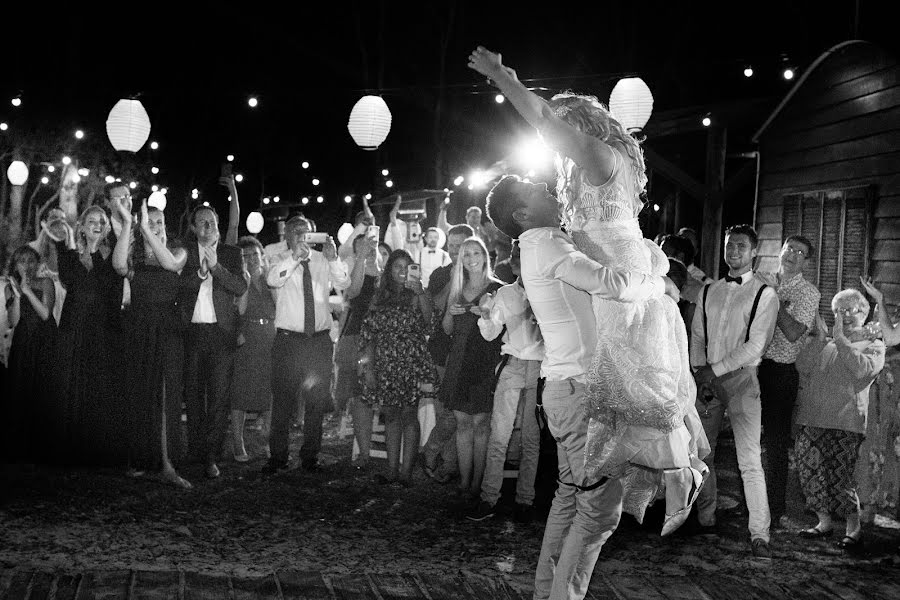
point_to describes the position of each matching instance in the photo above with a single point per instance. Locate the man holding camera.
(302, 351)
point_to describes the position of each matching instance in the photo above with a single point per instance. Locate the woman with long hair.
(644, 427)
(30, 315)
(396, 361)
(467, 387)
(153, 347)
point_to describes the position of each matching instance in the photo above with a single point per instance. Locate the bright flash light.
(320, 199)
(109, 179)
(66, 160)
(389, 183)
(133, 184)
(478, 179)
(348, 199)
(154, 170)
(304, 200)
(530, 173)
(534, 155)
(458, 181)
(252, 101)
(315, 182)
(499, 98)
(788, 74)
(51, 168)
(748, 72)
(154, 145)
(706, 121)
(385, 172)
(45, 180)
(230, 158)
(79, 134)
(16, 101)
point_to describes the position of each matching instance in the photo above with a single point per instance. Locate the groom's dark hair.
(501, 203)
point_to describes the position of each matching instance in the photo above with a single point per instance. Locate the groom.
(559, 281)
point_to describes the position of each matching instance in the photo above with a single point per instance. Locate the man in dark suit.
(210, 281)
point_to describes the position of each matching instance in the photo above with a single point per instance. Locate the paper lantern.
(128, 125)
(631, 103)
(157, 200)
(370, 122)
(344, 233)
(17, 173)
(255, 222)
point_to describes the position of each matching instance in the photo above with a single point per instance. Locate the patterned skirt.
(826, 460)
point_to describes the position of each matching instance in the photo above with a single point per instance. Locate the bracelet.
(201, 276)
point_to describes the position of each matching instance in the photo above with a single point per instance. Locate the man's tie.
(738, 280)
(309, 303)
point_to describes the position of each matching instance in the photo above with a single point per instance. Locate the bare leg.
(465, 434)
(362, 429)
(482, 433)
(266, 421)
(238, 417)
(854, 527)
(410, 419)
(168, 473)
(392, 433)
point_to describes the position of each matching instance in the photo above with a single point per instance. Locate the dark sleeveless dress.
(251, 383)
(28, 392)
(153, 365)
(87, 416)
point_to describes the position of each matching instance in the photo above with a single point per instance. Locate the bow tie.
(738, 280)
(431, 252)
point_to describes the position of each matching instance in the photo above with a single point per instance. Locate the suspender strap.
(705, 332)
(753, 312)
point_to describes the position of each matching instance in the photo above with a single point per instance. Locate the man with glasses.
(778, 379)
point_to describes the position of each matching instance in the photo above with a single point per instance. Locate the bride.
(644, 427)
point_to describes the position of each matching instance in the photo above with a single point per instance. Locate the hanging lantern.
(255, 222)
(17, 173)
(631, 103)
(370, 122)
(157, 200)
(128, 125)
(344, 233)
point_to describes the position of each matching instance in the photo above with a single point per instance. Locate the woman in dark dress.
(251, 383)
(86, 420)
(153, 351)
(468, 381)
(31, 315)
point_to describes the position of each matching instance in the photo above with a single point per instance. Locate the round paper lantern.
(157, 200)
(370, 122)
(17, 173)
(631, 103)
(344, 233)
(255, 222)
(128, 125)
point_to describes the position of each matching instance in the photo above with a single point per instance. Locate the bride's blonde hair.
(587, 115)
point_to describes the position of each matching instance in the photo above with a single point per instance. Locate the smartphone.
(373, 232)
(315, 237)
(413, 233)
(226, 169)
(413, 272)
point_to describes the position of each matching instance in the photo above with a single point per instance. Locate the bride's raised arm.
(590, 153)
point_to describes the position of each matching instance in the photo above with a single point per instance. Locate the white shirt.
(286, 274)
(728, 307)
(430, 260)
(204, 309)
(396, 238)
(522, 338)
(559, 281)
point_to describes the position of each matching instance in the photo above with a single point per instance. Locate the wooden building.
(830, 170)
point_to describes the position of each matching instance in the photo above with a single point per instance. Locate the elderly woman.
(832, 407)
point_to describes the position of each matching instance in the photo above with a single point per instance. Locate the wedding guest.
(384, 251)
(695, 271)
(832, 410)
(361, 223)
(30, 313)
(209, 283)
(46, 248)
(152, 363)
(778, 379)
(251, 382)
(733, 324)
(397, 363)
(473, 219)
(467, 386)
(433, 256)
(890, 330)
(302, 351)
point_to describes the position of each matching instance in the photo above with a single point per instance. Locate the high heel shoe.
(675, 520)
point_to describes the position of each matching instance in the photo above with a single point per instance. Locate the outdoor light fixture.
(320, 199)
(230, 158)
(748, 71)
(108, 179)
(66, 160)
(157, 200)
(458, 181)
(631, 103)
(370, 122)
(154, 170)
(706, 121)
(385, 172)
(499, 98)
(128, 125)
(79, 134)
(255, 222)
(17, 173)
(17, 101)
(239, 178)
(788, 73)
(348, 199)
(154, 145)
(252, 101)
(3, 126)
(389, 183)
(304, 200)
(304, 164)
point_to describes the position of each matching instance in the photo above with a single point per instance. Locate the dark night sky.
(194, 65)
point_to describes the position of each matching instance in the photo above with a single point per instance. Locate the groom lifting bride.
(618, 393)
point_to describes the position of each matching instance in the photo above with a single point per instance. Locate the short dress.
(402, 361)
(251, 384)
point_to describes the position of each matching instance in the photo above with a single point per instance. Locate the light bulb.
(51, 168)
(109, 179)
(252, 101)
(79, 134)
(133, 184)
(304, 200)
(66, 160)
(17, 101)
(230, 158)
(154, 170)
(239, 178)
(154, 145)
(45, 180)
(389, 183)
(458, 181)
(706, 121)
(499, 98)
(788, 74)
(3, 126)
(385, 172)
(748, 71)
(315, 182)
(320, 199)
(304, 164)
(348, 199)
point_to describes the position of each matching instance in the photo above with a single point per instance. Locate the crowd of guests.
(117, 331)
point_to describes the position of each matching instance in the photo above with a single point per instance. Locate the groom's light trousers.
(580, 520)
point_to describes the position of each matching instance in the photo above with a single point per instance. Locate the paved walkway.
(18, 584)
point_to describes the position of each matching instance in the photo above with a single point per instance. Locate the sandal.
(816, 533)
(849, 543)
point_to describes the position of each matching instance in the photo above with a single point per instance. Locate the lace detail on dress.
(583, 201)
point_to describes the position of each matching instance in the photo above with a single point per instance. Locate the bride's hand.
(486, 62)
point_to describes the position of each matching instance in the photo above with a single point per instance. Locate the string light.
(499, 98)
(389, 183)
(133, 184)
(108, 179)
(748, 71)
(266, 200)
(154, 145)
(304, 164)
(195, 193)
(84, 172)
(348, 199)
(252, 101)
(154, 170)
(656, 207)
(788, 74)
(368, 196)
(385, 172)
(304, 200)
(230, 158)
(3, 126)
(276, 199)
(154, 188)
(239, 178)
(45, 180)
(66, 160)
(51, 168)
(320, 199)
(79, 134)
(17, 101)
(315, 182)
(706, 121)
(458, 181)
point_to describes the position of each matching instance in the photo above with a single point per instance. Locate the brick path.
(19, 584)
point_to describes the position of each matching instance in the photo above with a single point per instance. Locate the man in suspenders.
(733, 324)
